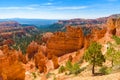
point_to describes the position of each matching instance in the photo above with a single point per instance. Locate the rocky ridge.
(59, 47)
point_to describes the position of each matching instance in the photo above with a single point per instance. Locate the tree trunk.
(112, 63)
(93, 68)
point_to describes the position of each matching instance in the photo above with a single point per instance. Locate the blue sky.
(58, 9)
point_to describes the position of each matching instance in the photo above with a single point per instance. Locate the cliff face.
(46, 36)
(64, 42)
(113, 25)
(97, 34)
(118, 27)
(10, 65)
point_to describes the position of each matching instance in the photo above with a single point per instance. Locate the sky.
(58, 9)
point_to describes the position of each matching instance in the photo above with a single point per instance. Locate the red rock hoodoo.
(10, 65)
(32, 49)
(40, 62)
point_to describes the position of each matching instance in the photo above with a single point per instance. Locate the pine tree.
(94, 56)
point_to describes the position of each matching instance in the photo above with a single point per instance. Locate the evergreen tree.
(113, 54)
(94, 56)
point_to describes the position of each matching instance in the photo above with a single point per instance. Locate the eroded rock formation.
(117, 27)
(12, 72)
(55, 61)
(10, 65)
(46, 36)
(65, 42)
(97, 34)
(40, 62)
(32, 49)
(113, 25)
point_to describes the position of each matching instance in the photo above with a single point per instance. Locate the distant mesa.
(87, 22)
(9, 24)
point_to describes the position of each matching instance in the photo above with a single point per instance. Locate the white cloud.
(47, 4)
(16, 8)
(71, 8)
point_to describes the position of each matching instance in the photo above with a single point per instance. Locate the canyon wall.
(64, 42)
(113, 25)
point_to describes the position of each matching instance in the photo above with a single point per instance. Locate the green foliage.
(117, 39)
(94, 55)
(86, 30)
(49, 74)
(105, 70)
(112, 54)
(73, 68)
(52, 27)
(61, 69)
(22, 42)
(54, 78)
(117, 58)
(69, 65)
(34, 75)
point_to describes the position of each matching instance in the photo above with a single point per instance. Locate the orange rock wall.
(97, 34)
(113, 25)
(64, 42)
(118, 27)
(10, 66)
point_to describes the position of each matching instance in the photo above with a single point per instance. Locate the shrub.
(113, 54)
(105, 70)
(49, 74)
(117, 39)
(34, 75)
(61, 69)
(73, 68)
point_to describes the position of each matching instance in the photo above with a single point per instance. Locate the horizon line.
(59, 18)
